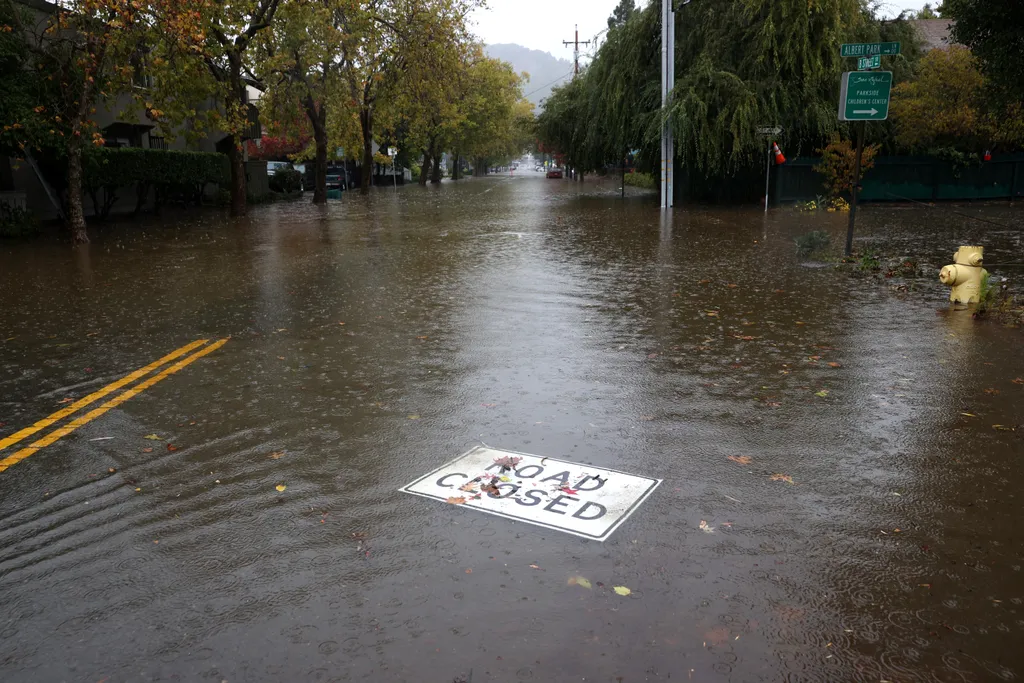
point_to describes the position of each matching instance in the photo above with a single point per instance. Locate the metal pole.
(767, 176)
(667, 79)
(856, 182)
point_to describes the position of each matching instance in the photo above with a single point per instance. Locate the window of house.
(156, 142)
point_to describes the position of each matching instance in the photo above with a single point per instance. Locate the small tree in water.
(837, 163)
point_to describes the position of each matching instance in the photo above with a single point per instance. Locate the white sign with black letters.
(584, 500)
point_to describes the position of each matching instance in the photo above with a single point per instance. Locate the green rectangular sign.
(869, 49)
(864, 96)
(865, 63)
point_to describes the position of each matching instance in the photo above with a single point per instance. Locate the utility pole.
(668, 80)
(576, 50)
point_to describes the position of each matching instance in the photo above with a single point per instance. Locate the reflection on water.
(375, 339)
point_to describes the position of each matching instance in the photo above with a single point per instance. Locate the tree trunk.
(238, 200)
(366, 123)
(435, 172)
(235, 156)
(76, 215)
(318, 120)
(425, 169)
(480, 167)
(455, 167)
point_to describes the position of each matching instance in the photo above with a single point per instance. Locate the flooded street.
(841, 463)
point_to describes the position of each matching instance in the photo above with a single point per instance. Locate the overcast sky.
(544, 24)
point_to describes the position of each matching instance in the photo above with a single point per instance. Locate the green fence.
(920, 178)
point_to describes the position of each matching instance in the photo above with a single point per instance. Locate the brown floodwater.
(836, 434)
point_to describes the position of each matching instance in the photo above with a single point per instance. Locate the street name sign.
(868, 49)
(864, 96)
(770, 130)
(583, 500)
(865, 63)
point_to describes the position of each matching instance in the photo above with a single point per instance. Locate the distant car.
(538, 168)
(555, 173)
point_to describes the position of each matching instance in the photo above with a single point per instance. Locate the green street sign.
(868, 49)
(865, 63)
(864, 96)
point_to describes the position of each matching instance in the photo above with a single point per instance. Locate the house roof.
(40, 5)
(934, 33)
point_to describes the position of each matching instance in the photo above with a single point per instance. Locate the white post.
(767, 176)
(668, 78)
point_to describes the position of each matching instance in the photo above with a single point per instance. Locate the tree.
(992, 29)
(927, 12)
(299, 61)
(838, 160)
(741, 64)
(85, 53)
(621, 14)
(946, 107)
(217, 37)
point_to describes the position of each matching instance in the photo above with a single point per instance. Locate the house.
(935, 34)
(122, 125)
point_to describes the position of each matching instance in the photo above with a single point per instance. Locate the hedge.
(173, 174)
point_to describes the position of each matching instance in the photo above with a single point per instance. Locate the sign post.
(864, 96)
(769, 132)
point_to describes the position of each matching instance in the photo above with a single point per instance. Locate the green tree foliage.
(927, 12)
(621, 14)
(740, 64)
(947, 106)
(994, 32)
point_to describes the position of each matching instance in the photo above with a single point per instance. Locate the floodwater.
(376, 339)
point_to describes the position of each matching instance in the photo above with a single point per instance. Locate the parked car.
(554, 172)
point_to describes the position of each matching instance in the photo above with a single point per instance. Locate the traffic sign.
(867, 63)
(864, 96)
(770, 130)
(392, 152)
(868, 49)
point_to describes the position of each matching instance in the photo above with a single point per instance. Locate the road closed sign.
(583, 500)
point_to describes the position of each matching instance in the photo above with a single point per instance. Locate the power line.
(547, 84)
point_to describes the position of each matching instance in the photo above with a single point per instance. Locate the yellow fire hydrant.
(965, 275)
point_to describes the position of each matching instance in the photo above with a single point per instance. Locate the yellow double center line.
(57, 434)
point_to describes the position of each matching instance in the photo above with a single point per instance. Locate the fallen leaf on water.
(280, 487)
(152, 437)
(992, 392)
(533, 566)
(741, 459)
(171, 447)
(111, 470)
(423, 337)
(800, 322)
(1002, 428)
(706, 528)
(67, 400)
(507, 462)
(456, 500)
(276, 455)
(732, 286)
(468, 487)
(711, 314)
(646, 418)
(823, 393)
(702, 282)
(1019, 380)
(488, 405)
(835, 365)
(580, 581)
(782, 477)
(414, 417)
(622, 590)
(469, 571)
(147, 450)
(968, 414)
(745, 337)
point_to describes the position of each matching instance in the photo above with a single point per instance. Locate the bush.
(286, 180)
(643, 180)
(838, 160)
(812, 242)
(17, 222)
(175, 175)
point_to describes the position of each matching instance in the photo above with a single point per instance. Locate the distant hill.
(546, 71)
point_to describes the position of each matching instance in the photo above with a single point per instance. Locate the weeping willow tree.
(740, 65)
